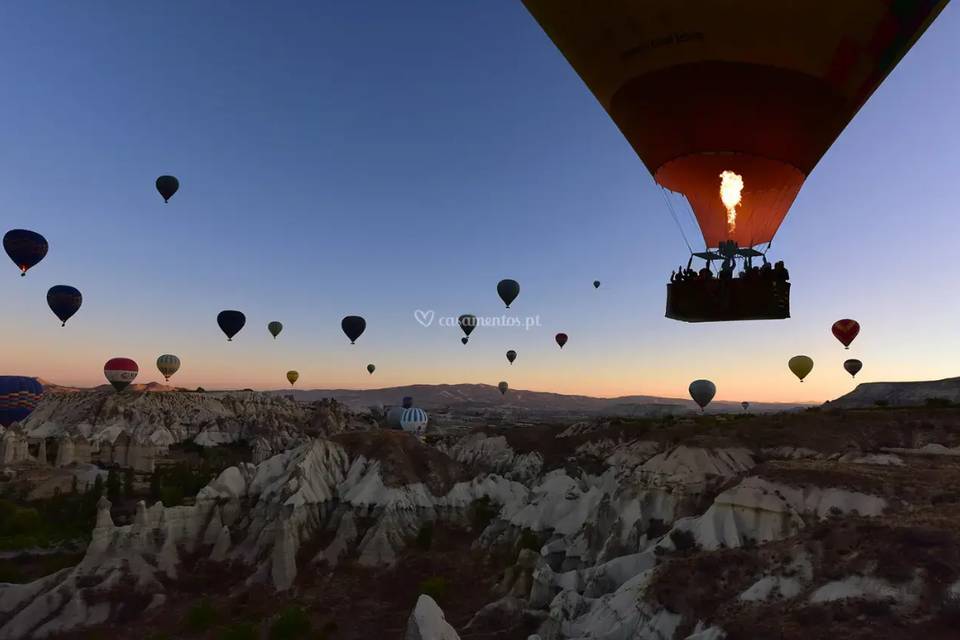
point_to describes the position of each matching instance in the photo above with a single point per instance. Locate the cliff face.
(900, 394)
(747, 528)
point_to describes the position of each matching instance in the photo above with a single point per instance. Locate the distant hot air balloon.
(745, 405)
(414, 420)
(167, 186)
(596, 284)
(702, 392)
(845, 331)
(406, 402)
(853, 367)
(19, 396)
(503, 386)
(754, 90)
(168, 365)
(275, 328)
(25, 248)
(467, 324)
(353, 326)
(801, 366)
(292, 377)
(120, 372)
(561, 339)
(511, 356)
(231, 322)
(64, 301)
(371, 368)
(508, 290)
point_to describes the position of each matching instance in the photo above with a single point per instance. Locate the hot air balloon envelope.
(353, 326)
(511, 356)
(853, 367)
(120, 372)
(467, 324)
(503, 386)
(596, 284)
(406, 402)
(231, 322)
(19, 396)
(702, 392)
(167, 186)
(561, 339)
(371, 368)
(414, 420)
(275, 328)
(745, 405)
(292, 377)
(508, 290)
(801, 366)
(64, 301)
(25, 248)
(845, 331)
(168, 365)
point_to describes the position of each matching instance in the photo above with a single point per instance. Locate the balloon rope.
(673, 214)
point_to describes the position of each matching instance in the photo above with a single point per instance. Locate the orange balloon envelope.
(845, 331)
(757, 88)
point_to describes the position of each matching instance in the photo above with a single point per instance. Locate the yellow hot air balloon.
(801, 366)
(292, 376)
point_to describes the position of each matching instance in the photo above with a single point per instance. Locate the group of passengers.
(777, 272)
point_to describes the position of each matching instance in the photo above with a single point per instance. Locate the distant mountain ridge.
(899, 394)
(484, 396)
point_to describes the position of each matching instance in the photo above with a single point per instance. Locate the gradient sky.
(376, 158)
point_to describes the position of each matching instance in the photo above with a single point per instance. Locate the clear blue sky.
(380, 157)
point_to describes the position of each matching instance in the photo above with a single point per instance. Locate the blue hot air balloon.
(19, 396)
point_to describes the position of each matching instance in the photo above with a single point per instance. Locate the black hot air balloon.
(353, 326)
(167, 186)
(231, 322)
(467, 324)
(503, 386)
(596, 284)
(64, 301)
(406, 402)
(371, 368)
(511, 355)
(275, 328)
(852, 367)
(25, 248)
(508, 290)
(561, 339)
(732, 105)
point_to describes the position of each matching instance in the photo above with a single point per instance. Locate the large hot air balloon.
(467, 324)
(596, 284)
(64, 301)
(275, 328)
(801, 366)
(503, 386)
(292, 377)
(231, 322)
(511, 356)
(168, 365)
(561, 339)
(845, 331)
(702, 392)
(371, 368)
(353, 326)
(120, 372)
(745, 405)
(25, 248)
(167, 186)
(732, 105)
(852, 367)
(508, 290)
(414, 420)
(19, 396)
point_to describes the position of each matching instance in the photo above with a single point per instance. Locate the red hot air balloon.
(561, 339)
(120, 372)
(845, 331)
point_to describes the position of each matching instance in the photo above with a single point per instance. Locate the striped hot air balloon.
(19, 396)
(414, 420)
(168, 365)
(120, 372)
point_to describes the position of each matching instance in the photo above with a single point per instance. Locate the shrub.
(290, 624)
(201, 617)
(425, 536)
(683, 540)
(435, 587)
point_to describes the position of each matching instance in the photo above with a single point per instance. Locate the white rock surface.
(427, 622)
